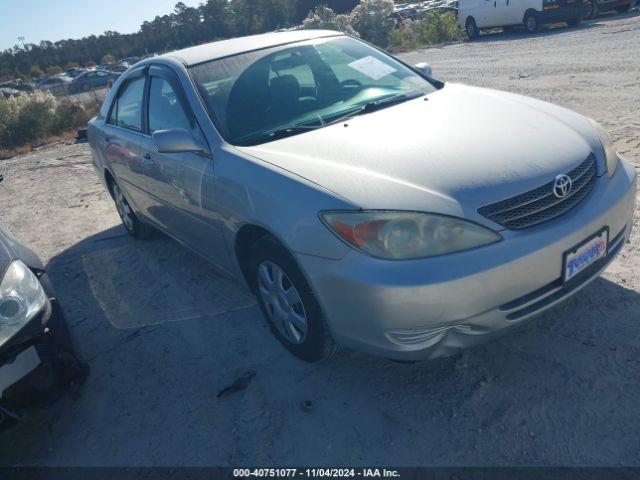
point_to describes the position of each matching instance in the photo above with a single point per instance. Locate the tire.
(572, 22)
(591, 9)
(131, 223)
(471, 28)
(86, 87)
(624, 8)
(288, 303)
(531, 23)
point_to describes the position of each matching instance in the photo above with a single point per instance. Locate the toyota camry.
(365, 203)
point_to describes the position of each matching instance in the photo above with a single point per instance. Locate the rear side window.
(127, 108)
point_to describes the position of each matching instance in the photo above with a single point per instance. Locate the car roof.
(225, 48)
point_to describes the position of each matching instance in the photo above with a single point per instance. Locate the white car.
(474, 15)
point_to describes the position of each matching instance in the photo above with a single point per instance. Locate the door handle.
(148, 158)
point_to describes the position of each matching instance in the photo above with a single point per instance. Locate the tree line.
(184, 27)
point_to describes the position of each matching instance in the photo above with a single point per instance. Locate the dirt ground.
(164, 333)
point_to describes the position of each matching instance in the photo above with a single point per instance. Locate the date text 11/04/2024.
(316, 472)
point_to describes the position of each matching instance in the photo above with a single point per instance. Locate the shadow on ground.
(164, 334)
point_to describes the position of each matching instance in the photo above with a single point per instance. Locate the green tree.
(325, 18)
(216, 19)
(373, 20)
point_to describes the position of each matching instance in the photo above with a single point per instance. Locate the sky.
(54, 20)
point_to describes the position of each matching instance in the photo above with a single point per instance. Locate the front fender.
(250, 191)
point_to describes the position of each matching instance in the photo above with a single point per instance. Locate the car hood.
(460, 149)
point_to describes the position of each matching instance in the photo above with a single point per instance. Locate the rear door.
(181, 186)
(121, 136)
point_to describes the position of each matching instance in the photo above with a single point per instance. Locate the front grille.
(540, 204)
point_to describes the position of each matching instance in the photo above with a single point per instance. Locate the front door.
(181, 186)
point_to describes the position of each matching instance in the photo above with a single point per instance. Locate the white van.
(476, 14)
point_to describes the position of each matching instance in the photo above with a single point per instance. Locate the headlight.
(610, 155)
(407, 235)
(21, 298)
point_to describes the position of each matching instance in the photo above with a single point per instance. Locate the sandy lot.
(164, 333)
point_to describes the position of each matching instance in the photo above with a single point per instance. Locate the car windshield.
(259, 96)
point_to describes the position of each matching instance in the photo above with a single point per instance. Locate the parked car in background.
(118, 69)
(91, 79)
(474, 15)
(9, 92)
(593, 7)
(20, 85)
(74, 72)
(362, 201)
(38, 357)
(58, 85)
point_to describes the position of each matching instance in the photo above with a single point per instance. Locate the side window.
(127, 108)
(165, 110)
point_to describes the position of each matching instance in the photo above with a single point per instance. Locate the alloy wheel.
(283, 302)
(124, 210)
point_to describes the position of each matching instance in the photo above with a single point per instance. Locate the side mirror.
(177, 141)
(424, 68)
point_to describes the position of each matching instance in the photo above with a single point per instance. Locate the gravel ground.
(165, 333)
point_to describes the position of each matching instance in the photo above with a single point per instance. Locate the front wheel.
(288, 303)
(531, 23)
(471, 28)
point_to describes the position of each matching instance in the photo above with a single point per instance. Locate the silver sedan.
(365, 203)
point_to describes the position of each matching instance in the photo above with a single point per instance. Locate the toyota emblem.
(562, 186)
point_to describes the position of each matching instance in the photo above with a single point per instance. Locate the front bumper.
(39, 363)
(413, 310)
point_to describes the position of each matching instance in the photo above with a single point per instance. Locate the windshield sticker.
(372, 67)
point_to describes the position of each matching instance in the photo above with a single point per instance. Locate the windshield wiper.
(294, 130)
(375, 105)
(366, 108)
